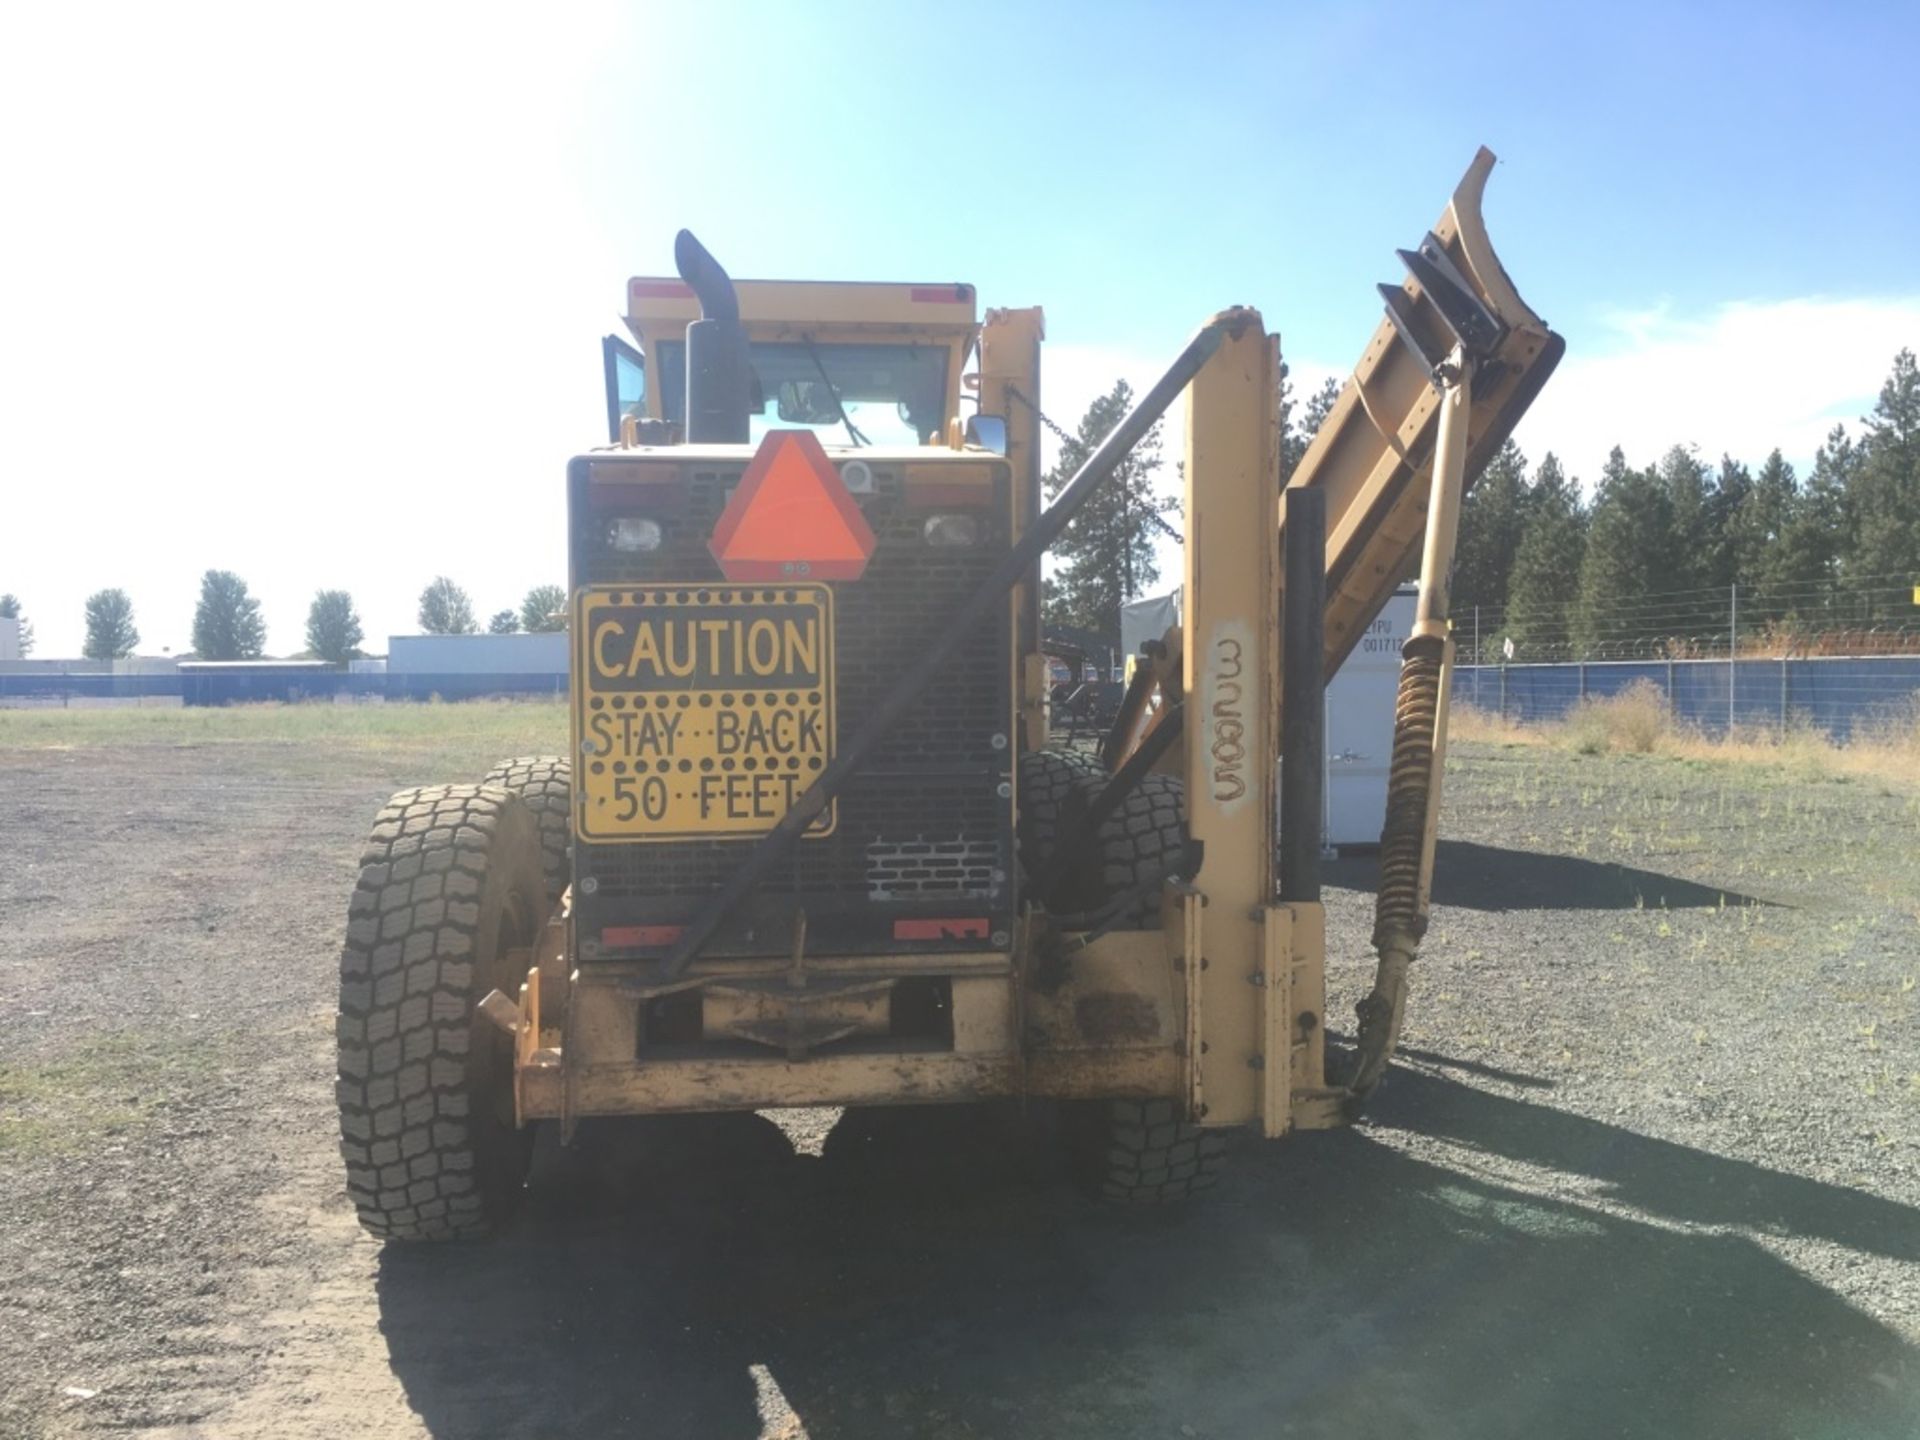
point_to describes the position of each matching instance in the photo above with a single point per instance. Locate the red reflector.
(941, 294)
(975, 929)
(660, 290)
(629, 937)
(791, 517)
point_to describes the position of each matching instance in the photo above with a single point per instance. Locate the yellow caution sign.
(701, 711)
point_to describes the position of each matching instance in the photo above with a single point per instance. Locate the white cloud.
(1739, 380)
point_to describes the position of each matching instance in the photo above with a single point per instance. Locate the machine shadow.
(930, 1274)
(1490, 877)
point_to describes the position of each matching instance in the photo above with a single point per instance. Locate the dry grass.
(1637, 722)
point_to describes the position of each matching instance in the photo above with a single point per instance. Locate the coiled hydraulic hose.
(1413, 780)
(1400, 912)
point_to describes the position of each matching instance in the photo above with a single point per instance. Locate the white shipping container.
(1359, 735)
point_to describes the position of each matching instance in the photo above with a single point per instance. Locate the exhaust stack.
(719, 377)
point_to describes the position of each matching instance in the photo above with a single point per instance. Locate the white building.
(477, 654)
(9, 639)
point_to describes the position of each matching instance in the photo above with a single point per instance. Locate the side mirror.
(988, 432)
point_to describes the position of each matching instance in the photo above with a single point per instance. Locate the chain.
(1153, 517)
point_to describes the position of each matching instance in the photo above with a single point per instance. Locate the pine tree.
(1802, 568)
(110, 631)
(226, 622)
(445, 609)
(1883, 562)
(10, 610)
(1106, 555)
(1691, 544)
(1726, 497)
(544, 610)
(1546, 565)
(1755, 527)
(1297, 431)
(333, 628)
(504, 622)
(1491, 522)
(1629, 557)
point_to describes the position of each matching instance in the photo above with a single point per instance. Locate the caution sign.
(701, 711)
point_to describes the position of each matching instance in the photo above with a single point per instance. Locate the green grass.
(105, 1086)
(433, 741)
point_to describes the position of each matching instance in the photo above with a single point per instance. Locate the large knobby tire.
(544, 784)
(1136, 847)
(1136, 1152)
(1047, 778)
(449, 884)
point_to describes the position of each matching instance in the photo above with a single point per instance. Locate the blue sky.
(318, 298)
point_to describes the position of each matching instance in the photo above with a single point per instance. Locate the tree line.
(1682, 549)
(228, 625)
(1662, 554)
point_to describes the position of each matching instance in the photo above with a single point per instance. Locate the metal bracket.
(1475, 329)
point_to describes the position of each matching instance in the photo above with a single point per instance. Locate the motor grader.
(811, 845)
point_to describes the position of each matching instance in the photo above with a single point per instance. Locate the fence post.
(1673, 706)
(1503, 691)
(1583, 679)
(1783, 695)
(1733, 652)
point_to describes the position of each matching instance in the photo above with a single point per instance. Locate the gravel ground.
(1649, 1165)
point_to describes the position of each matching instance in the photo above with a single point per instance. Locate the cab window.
(847, 394)
(626, 372)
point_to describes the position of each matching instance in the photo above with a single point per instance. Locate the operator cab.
(858, 364)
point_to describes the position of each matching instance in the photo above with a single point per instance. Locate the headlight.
(633, 532)
(952, 530)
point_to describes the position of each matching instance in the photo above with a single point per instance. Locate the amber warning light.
(791, 517)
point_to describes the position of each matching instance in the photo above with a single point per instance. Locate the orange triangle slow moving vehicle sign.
(791, 517)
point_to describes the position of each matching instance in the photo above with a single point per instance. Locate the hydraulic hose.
(1413, 778)
(1400, 914)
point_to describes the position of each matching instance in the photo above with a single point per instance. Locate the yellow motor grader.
(811, 845)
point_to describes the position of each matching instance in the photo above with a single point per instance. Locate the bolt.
(1308, 1020)
(997, 939)
(999, 742)
(590, 885)
(589, 949)
(1256, 1062)
(1004, 790)
(1257, 980)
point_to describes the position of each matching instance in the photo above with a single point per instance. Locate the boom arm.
(1373, 455)
(1440, 386)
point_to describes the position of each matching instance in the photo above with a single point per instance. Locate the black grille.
(923, 831)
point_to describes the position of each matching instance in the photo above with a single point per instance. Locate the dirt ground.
(1650, 1165)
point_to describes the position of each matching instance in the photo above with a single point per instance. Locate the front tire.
(450, 886)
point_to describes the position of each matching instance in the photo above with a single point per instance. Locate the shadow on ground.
(1489, 877)
(930, 1275)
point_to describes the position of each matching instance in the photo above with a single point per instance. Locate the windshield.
(846, 394)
